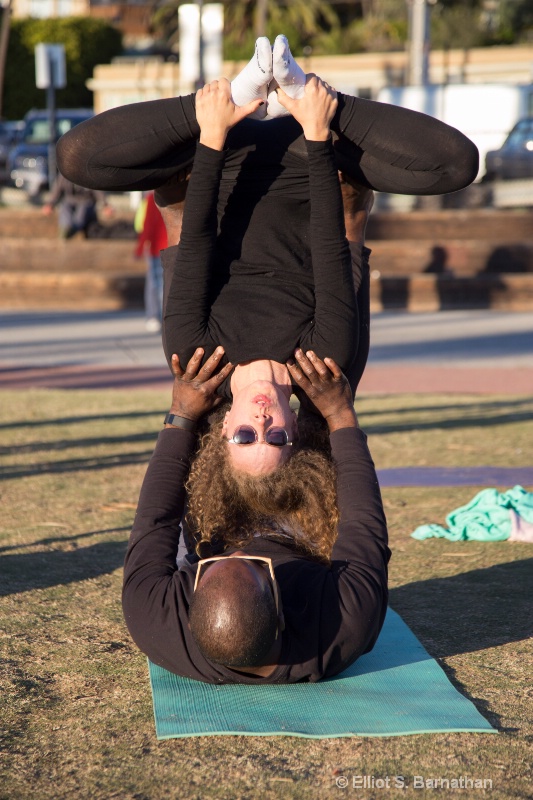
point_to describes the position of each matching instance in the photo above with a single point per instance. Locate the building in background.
(130, 17)
(43, 9)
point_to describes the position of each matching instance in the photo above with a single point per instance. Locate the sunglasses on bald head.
(263, 561)
(245, 434)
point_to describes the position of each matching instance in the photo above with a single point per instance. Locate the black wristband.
(180, 422)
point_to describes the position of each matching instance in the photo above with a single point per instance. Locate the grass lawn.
(76, 708)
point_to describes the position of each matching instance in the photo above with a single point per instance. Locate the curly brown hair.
(230, 506)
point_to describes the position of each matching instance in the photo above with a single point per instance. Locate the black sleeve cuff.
(319, 148)
(175, 443)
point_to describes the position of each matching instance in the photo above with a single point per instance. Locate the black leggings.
(388, 148)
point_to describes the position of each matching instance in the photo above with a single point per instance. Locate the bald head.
(232, 615)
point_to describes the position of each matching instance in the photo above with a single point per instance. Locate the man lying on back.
(266, 613)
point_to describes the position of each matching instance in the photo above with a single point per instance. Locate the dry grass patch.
(77, 714)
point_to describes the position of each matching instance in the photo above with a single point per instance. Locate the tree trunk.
(261, 10)
(4, 41)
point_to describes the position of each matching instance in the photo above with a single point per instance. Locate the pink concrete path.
(423, 379)
(398, 379)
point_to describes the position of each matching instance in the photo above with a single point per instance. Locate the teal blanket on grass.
(486, 518)
(395, 690)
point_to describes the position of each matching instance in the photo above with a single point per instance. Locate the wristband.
(180, 422)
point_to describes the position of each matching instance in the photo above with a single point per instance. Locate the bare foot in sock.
(287, 74)
(252, 82)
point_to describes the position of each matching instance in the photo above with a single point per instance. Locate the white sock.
(252, 82)
(287, 74)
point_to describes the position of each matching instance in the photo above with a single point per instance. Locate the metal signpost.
(50, 74)
(419, 41)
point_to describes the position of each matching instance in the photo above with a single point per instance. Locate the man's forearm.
(362, 521)
(347, 418)
(161, 500)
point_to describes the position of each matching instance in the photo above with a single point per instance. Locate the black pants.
(391, 149)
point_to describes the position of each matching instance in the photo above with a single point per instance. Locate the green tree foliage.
(164, 22)
(353, 26)
(478, 23)
(511, 22)
(304, 22)
(87, 41)
(456, 26)
(381, 27)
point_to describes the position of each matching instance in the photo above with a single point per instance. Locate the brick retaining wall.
(421, 261)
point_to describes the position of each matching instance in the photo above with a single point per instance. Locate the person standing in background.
(77, 207)
(152, 239)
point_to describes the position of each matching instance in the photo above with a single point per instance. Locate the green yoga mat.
(395, 690)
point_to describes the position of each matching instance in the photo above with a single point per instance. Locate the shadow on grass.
(68, 444)
(461, 408)
(472, 611)
(480, 415)
(53, 539)
(27, 571)
(76, 464)
(80, 418)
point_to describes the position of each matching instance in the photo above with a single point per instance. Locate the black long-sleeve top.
(262, 299)
(333, 614)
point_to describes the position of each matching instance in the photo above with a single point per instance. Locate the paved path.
(455, 351)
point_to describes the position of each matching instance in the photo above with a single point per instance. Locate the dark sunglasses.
(245, 434)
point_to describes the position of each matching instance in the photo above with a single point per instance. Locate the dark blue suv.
(28, 161)
(10, 133)
(514, 159)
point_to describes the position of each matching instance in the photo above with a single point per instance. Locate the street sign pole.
(201, 70)
(50, 74)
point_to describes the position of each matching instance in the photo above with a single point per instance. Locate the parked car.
(514, 159)
(28, 161)
(10, 133)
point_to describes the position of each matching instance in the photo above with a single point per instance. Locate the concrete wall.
(50, 8)
(421, 261)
